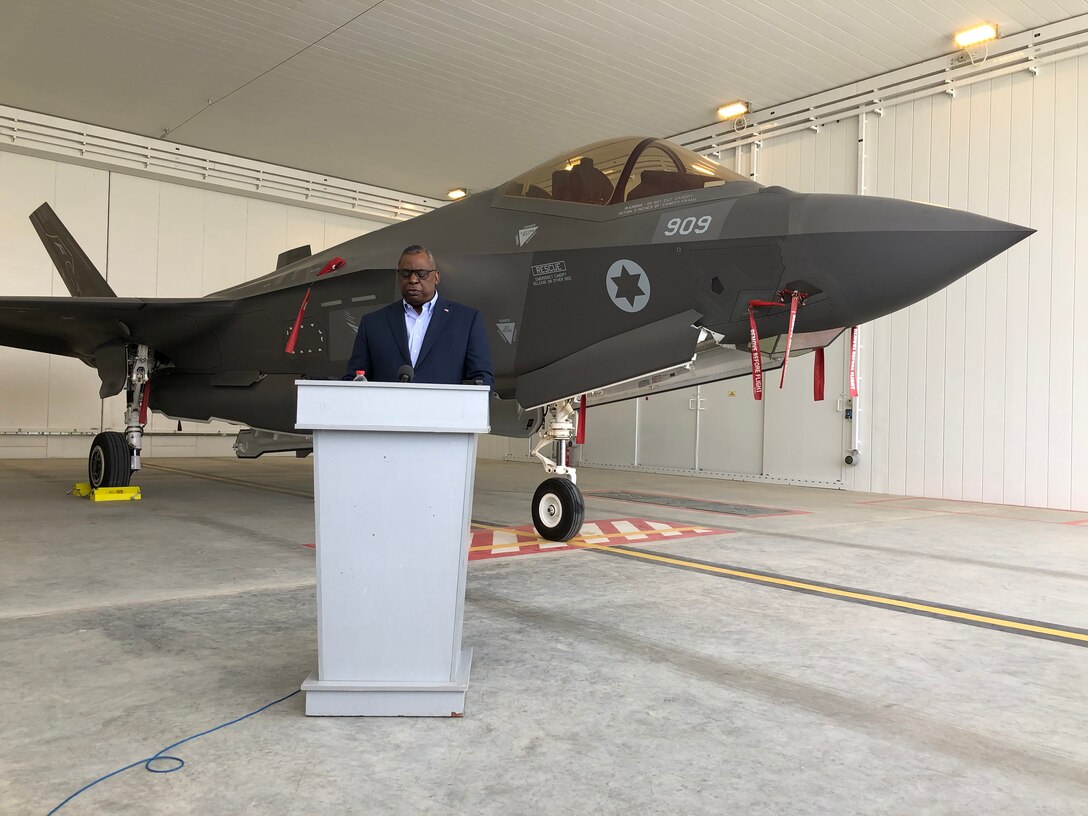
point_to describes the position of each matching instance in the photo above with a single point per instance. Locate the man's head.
(418, 275)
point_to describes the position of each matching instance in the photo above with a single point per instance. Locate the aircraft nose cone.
(876, 255)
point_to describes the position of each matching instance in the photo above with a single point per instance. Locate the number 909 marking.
(688, 226)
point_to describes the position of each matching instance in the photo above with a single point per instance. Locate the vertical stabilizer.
(75, 268)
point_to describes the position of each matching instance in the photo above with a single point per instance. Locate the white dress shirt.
(416, 325)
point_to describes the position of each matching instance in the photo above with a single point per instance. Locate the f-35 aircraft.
(603, 272)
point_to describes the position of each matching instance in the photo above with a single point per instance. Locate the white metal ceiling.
(423, 95)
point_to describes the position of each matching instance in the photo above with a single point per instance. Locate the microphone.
(405, 373)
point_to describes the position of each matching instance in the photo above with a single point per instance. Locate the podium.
(393, 474)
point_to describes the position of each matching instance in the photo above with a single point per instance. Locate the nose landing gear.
(558, 507)
(558, 510)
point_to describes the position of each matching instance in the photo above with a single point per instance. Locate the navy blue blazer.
(454, 347)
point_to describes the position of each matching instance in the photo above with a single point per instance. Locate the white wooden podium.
(393, 474)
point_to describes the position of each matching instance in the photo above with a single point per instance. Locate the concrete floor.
(600, 685)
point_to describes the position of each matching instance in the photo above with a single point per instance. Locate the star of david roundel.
(628, 285)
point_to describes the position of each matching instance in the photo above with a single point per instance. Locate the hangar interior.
(749, 624)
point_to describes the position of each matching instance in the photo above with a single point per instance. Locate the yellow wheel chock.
(101, 494)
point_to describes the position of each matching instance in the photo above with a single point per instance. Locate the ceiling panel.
(423, 95)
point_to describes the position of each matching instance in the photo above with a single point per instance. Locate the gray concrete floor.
(600, 684)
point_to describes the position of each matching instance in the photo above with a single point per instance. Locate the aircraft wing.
(96, 329)
(73, 327)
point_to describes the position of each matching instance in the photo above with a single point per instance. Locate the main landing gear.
(114, 456)
(558, 506)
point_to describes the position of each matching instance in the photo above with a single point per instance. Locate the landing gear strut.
(114, 456)
(558, 506)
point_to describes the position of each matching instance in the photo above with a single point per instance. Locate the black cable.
(162, 756)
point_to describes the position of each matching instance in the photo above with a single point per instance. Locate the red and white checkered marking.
(524, 540)
(506, 541)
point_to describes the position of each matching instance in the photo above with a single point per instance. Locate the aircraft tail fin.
(75, 268)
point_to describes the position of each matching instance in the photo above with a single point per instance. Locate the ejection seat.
(583, 183)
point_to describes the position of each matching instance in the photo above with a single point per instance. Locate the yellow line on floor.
(789, 583)
(1003, 623)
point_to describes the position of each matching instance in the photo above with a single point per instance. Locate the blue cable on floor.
(161, 756)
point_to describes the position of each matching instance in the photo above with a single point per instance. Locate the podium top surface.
(407, 407)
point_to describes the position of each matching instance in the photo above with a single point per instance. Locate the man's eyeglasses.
(422, 274)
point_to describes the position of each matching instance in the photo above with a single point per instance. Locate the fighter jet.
(619, 268)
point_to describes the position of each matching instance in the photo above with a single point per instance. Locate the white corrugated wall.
(975, 392)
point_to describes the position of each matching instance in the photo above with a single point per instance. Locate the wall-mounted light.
(977, 35)
(456, 193)
(733, 110)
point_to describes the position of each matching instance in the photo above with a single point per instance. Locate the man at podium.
(443, 341)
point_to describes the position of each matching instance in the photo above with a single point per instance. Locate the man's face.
(416, 290)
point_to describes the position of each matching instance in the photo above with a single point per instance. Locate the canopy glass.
(618, 170)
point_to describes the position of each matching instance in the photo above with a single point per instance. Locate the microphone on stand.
(406, 373)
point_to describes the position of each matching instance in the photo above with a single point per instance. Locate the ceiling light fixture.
(976, 35)
(456, 193)
(733, 109)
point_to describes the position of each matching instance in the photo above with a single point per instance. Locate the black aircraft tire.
(558, 510)
(109, 462)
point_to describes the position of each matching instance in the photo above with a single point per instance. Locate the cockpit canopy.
(618, 170)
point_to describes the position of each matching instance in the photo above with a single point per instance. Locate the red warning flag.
(853, 361)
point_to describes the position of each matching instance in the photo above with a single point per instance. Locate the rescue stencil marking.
(628, 285)
(554, 272)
